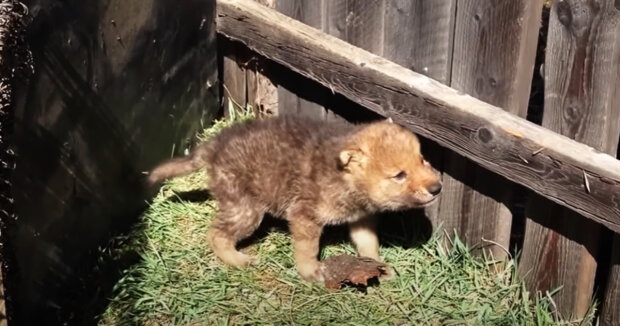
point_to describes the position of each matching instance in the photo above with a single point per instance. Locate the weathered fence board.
(311, 12)
(364, 24)
(419, 35)
(581, 102)
(244, 85)
(233, 79)
(610, 314)
(493, 60)
(546, 162)
(335, 25)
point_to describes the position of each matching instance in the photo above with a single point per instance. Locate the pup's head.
(383, 160)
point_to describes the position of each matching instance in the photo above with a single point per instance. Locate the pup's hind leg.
(231, 225)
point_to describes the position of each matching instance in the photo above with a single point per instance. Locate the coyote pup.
(312, 174)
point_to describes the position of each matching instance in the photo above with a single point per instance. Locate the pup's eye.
(400, 176)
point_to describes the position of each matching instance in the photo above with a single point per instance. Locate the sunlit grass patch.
(179, 281)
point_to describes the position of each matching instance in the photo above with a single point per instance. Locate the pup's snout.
(434, 188)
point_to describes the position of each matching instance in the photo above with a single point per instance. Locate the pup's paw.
(390, 274)
(238, 259)
(311, 272)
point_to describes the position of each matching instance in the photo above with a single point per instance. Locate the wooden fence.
(487, 49)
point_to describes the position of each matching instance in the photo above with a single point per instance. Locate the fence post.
(493, 60)
(581, 102)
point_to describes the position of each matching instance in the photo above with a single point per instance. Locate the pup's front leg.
(306, 236)
(363, 233)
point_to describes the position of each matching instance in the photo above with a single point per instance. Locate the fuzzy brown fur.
(312, 174)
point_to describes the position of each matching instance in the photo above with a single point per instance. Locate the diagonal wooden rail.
(567, 172)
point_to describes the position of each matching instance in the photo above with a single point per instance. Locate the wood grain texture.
(419, 35)
(261, 94)
(610, 314)
(336, 12)
(493, 60)
(548, 163)
(358, 22)
(233, 80)
(581, 102)
(364, 24)
(312, 13)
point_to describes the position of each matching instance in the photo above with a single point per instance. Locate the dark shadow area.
(268, 225)
(407, 229)
(194, 196)
(118, 87)
(484, 182)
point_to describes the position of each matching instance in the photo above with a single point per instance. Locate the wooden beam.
(565, 171)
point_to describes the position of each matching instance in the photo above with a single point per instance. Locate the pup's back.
(270, 160)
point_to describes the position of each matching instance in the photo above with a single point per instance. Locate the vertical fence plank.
(261, 94)
(243, 81)
(336, 12)
(359, 22)
(610, 314)
(364, 24)
(419, 36)
(493, 59)
(310, 12)
(233, 80)
(581, 102)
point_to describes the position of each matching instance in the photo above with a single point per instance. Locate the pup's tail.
(179, 166)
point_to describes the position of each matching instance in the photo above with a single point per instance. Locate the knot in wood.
(571, 114)
(577, 16)
(563, 10)
(485, 135)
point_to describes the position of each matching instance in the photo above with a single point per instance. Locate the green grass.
(178, 280)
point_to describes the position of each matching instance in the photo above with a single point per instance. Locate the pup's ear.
(348, 157)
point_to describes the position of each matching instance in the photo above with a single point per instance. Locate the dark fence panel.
(119, 86)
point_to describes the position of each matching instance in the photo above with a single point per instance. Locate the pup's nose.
(435, 188)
